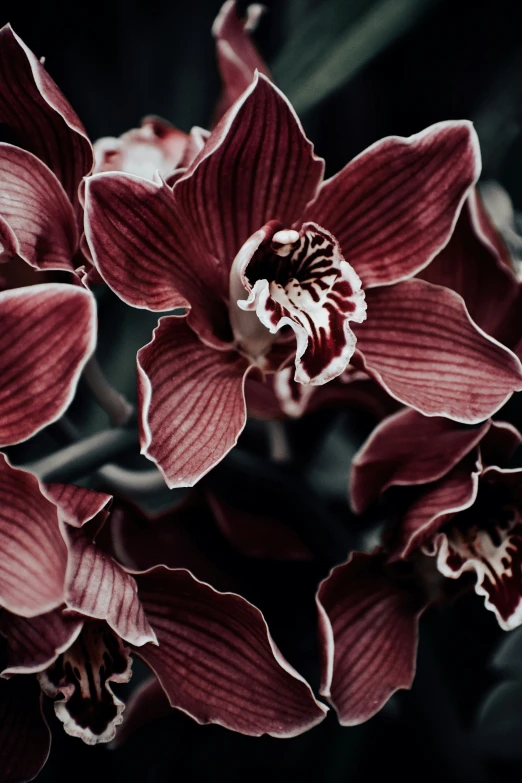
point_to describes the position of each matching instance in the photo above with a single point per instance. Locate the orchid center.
(299, 279)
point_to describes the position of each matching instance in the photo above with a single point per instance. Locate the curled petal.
(192, 406)
(42, 121)
(34, 643)
(48, 334)
(435, 505)
(420, 344)
(237, 56)
(217, 661)
(25, 738)
(394, 207)
(33, 554)
(408, 449)
(77, 505)
(368, 628)
(256, 166)
(96, 586)
(37, 211)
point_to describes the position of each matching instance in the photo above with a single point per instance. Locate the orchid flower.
(456, 511)
(254, 247)
(72, 616)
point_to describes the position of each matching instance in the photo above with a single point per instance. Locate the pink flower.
(255, 248)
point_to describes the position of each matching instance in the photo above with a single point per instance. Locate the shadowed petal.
(48, 334)
(256, 166)
(25, 738)
(96, 586)
(368, 626)
(436, 504)
(77, 505)
(237, 56)
(217, 661)
(41, 119)
(407, 449)
(33, 554)
(192, 406)
(420, 344)
(146, 704)
(149, 253)
(393, 208)
(36, 210)
(500, 443)
(34, 643)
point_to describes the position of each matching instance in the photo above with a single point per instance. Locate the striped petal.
(435, 505)
(33, 554)
(408, 449)
(48, 334)
(97, 587)
(420, 344)
(39, 116)
(368, 628)
(237, 56)
(36, 210)
(394, 207)
(256, 166)
(192, 406)
(35, 643)
(25, 738)
(77, 505)
(150, 254)
(217, 661)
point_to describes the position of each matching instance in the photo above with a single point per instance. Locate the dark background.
(451, 59)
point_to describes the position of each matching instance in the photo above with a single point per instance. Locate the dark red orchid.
(72, 615)
(454, 511)
(254, 248)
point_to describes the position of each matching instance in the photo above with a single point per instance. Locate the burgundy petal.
(33, 554)
(256, 166)
(35, 643)
(420, 344)
(406, 449)
(77, 505)
(394, 207)
(25, 738)
(237, 56)
(149, 253)
(435, 505)
(37, 113)
(472, 266)
(48, 334)
(217, 661)
(500, 443)
(368, 626)
(192, 406)
(487, 540)
(146, 704)
(96, 586)
(36, 210)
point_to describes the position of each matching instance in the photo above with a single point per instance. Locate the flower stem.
(114, 403)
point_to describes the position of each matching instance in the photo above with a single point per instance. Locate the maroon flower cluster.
(386, 284)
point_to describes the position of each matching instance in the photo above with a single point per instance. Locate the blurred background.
(356, 70)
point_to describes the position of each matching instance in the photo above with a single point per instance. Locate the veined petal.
(421, 345)
(408, 449)
(256, 166)
(368, 627)
(394, 207)
(487, 539)
(37, 211)
(471, 265)
(435, 505)
(77, 505)
(96, 586)
(35, 643)
(41, 119)
(48, 334)
(25, 738)
(192, 405)
(33, 554)
(217, 661)
(149, 253)
(237, 56)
